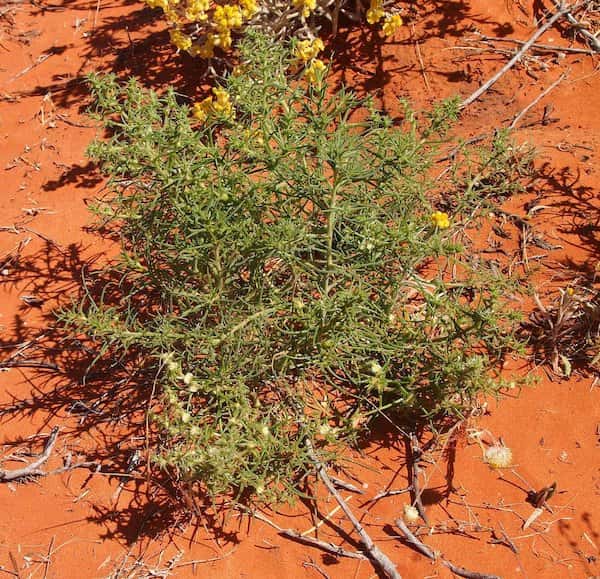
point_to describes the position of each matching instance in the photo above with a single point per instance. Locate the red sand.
(74, 525)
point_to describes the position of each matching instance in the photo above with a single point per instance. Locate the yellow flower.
(308, 49)
(207, 50)
(227, 17)
(201, 110)
(391, 25)
(224, 40)
(222, 104)
(440, 219)
(375, 12)
(374, 15)
(305, 6)
(180, 40)
(314, 70)
(249, 8)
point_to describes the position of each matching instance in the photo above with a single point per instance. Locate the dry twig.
(32, 469)
(519, 55)
(375, 554)
(416, 455)
(425, 550)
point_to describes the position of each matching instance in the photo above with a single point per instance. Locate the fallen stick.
(323, 545)
(592, 40)
(537, 99)
(416, 455)
(342, 484)
(486, 86)
(425, 550)
(32, 469)
(301, 538)
(538, 46)
(374, 553)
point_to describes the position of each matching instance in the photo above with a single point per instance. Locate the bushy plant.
(208, 29)
(284, 273)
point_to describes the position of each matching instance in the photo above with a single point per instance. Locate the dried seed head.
(411, 514)
(498, 456)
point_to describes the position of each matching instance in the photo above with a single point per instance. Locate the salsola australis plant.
(284, 273)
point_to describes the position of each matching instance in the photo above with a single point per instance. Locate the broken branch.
(425, 550)
(32, 469)
(375, 554)
(517, 57)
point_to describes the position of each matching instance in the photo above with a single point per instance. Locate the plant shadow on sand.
(99, 401)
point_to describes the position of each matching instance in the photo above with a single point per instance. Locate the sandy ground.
(79, 524)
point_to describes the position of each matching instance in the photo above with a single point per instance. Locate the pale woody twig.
(425, 550)
(376, 555)
(517, 57)
(592, 40)
(520, 115)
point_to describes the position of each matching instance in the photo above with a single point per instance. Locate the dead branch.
(537, 46)
(537, 99)
(342, 484)
(302, 538)
(416, 455)
(425, 550)
(32, 469)
(519, 55)
(593, 42)
(375, 554)
(390, 493)
(323, 545)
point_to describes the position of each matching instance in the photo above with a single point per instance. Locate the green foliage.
(281, 274)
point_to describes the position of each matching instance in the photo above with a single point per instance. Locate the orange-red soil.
(80, 525)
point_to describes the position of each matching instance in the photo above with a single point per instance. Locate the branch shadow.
(100, 400)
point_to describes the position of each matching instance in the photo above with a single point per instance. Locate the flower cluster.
(305, 53)
(181, 40)
(440, 219)
(391, 23)
(375, 12)
(217, 23)
(219, 106)
(306, 50)
(305, 7)
(314, 70)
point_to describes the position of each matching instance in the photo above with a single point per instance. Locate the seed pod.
(498, 456)
(411, 514)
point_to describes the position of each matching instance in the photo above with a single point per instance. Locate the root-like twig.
(32, 469)
(425, 550)
(519, 55)
(375, 554)
(416, 455)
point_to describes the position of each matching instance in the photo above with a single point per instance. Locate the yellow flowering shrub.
(202, 27)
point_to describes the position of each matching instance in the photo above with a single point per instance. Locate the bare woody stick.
(375, 554)
(416, 454)
(517, 57)
(32, 469)
(425, 550)
(591, 39)
(520, 115)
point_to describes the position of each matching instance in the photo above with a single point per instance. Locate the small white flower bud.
(498, 456)
(411, 514)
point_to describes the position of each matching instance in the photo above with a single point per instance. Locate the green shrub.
(284, 273)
